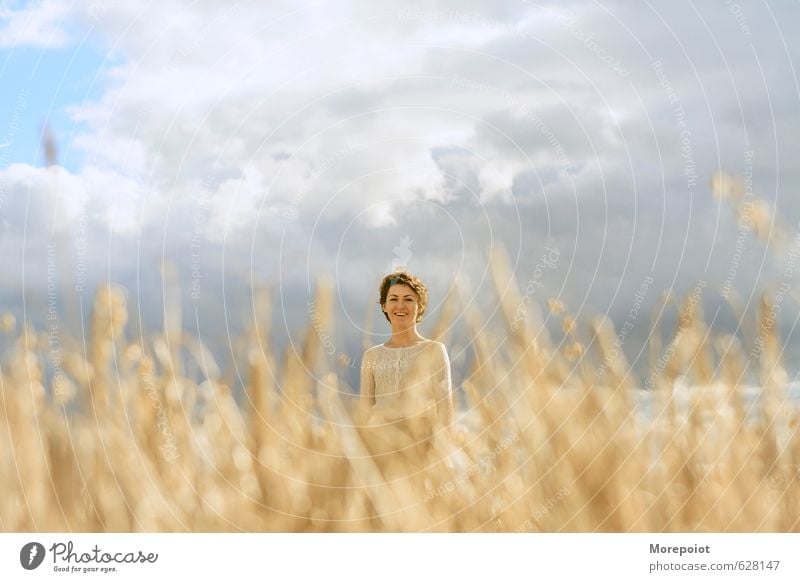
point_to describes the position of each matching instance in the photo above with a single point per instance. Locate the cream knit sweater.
(408, 381)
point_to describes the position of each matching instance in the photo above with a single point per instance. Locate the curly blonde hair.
(403, 277)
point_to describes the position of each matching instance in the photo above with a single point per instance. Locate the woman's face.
(401, 305)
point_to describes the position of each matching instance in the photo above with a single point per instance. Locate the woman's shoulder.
(439, 346)
(370, 356)
(434, 346)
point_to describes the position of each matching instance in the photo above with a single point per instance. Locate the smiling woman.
(407, 379)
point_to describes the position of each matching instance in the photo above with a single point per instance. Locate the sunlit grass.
(125, 441)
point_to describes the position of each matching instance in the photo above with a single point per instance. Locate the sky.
(274, 143)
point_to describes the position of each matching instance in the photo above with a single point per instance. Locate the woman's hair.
(401, 277)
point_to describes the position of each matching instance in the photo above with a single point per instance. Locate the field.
(122, 440)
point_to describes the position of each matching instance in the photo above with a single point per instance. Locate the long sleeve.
(444, 389)
(367, 389)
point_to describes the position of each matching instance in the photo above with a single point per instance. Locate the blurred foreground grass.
(123, 440)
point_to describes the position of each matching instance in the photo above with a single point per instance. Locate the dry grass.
(124, 441)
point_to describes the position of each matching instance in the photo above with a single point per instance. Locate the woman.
(408, 377)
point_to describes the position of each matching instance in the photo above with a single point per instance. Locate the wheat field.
(550, 437)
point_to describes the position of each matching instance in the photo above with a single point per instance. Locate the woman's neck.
(404, 337)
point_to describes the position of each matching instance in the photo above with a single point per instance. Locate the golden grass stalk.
(127, 442)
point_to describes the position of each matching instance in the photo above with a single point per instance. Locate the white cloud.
(39, 24)
(40, 200)
(338, 128)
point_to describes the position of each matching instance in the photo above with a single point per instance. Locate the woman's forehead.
(401, 288)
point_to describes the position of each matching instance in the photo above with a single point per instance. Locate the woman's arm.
(367, 389)
(444, 388)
